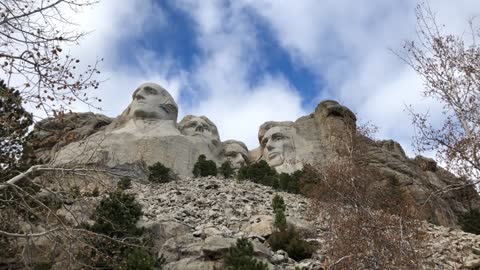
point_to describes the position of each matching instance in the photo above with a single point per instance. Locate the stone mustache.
(148, 131)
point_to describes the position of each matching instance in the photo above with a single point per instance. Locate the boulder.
(260, 225)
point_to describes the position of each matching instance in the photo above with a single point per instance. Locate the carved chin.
(275, 160)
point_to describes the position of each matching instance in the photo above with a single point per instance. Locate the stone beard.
(236, 152)
(151, 101)
(278, 146)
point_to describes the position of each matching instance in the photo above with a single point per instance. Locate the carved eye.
(277, 137)
(192, 125)
(149, 90)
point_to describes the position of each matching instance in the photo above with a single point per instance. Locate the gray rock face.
(312, 139)
(320, 137)
(147, 131)
(51, 134)
(236, 152)
(420, 177)
(193, 225)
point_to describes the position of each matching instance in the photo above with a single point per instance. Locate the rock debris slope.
(195, 221)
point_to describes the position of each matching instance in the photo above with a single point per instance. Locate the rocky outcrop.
(421, 178)
(194, 221)
(147, 132)
(51, 134)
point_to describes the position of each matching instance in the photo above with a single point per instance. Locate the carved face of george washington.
(151, 101)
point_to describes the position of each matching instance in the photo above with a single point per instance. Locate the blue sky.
(245, 62)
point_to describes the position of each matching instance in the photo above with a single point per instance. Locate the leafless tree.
(34, 35)
(450, 68)
(373, 223)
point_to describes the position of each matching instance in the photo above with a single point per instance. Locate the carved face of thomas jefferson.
(236, 152)
(151, 101)
(278, 146)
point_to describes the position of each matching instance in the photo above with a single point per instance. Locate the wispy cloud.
(344, 44)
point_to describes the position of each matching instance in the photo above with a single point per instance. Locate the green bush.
(240, 257)
(226, 169)
(43, 266)
(124, 183)
(290, 241)
(287, 238)
(262, 173)
(289, 183)
(158, 173)
(278, 204)
(257, 172)
(140, 259)
(204, 167)
(470, 221)
(117, 215)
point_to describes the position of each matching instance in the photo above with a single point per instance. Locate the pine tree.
(240, 257)
(14, 123)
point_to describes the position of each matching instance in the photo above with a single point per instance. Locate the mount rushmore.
(147, 131)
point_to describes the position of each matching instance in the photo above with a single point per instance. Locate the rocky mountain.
(196, 220)
(148, 131)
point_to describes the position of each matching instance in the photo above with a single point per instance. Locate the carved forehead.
(192, 118)
(235, 146)
(189, 118)
(279, 130)
(155, 87)
(265, 127)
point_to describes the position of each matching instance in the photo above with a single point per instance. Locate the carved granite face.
(278, 146)
(198, 126)
(151, 101)
(236, 152)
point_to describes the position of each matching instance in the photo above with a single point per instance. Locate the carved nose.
(199, 128)
(269, 146)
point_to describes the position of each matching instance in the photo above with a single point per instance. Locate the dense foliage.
(127, 247)
(204, 167)
(240, 257)
(226, 169)
(124, 183)
(261, 173)
(470, 221)
(117, 215)
(285, 237)
(159, 173)
(14, 124)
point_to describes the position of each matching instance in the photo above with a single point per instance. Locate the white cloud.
(344, 43)
(347, 43)
(228, 56)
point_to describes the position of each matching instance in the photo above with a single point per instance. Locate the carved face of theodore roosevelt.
(278, 146)
(236, 152)
(151, 101)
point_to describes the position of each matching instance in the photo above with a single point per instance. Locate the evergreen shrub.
(204, 167)
(226, 169)
(159, 173)
(470, 221)
(124, 183)
(240, 257)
